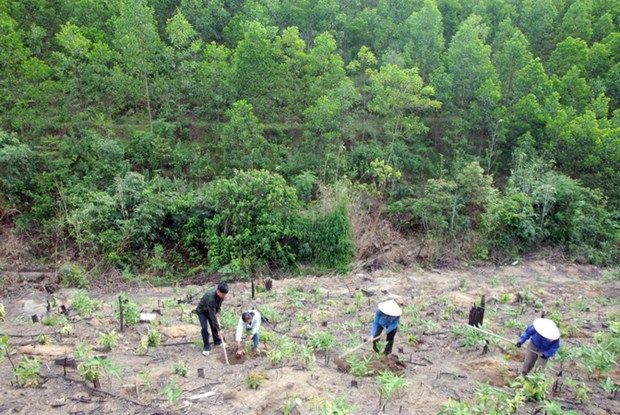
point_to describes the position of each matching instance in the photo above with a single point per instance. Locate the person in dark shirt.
(207, 310)
(544, 337)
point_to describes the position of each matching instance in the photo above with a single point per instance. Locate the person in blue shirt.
(387, 318)
(544, 337)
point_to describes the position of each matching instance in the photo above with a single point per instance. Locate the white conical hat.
(391, 308)
(547, 328)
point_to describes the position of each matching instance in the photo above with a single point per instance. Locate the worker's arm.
(393, 324)
(256, 324)
(239, 331)
(550, 352)
(529, 332)
(375, 325)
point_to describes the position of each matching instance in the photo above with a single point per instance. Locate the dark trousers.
(390, 341)
(206, 321)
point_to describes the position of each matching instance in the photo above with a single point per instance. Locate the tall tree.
(137, 40)
(423, 31)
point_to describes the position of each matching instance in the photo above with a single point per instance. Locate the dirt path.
(430, 352)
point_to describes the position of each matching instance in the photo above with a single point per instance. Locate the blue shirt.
(547, 347)
(389, 323)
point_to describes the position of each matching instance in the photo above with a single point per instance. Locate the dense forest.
(168, 137)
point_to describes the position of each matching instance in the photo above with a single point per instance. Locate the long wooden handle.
(499, 337)
(359, 346)
(492, 334)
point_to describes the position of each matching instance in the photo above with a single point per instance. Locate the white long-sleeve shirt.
(252, 327)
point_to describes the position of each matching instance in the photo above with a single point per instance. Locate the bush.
(327, 238)
(509, 224)
(73, 275)
(250, 219)
(27, 372)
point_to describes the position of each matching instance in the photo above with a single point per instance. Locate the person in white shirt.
(249, 324)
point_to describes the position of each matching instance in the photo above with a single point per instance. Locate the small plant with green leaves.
(181, 368)
(54, 320)
(83, 305)
(44, 339)
(534, 387)
(609, 386)
(597, 359)
(580, 306)
(514, 324)
(554, 408)
(270, 314)
(153, 337)
(307, 357)
(131, 311)
(228, 319)
(612, 275)
(108, 340)
(335, 406)
(322, 341)
(265, 336)
(66, 330)
(430, 326)
(359, 366)
(389, 385)
(172, 392)
(473, 338)
(144, 378)
(94, 367)
(283, 351)
(255, 378)
(505, 298)
(4, 347)
(359, 299)
(73, 275)
(27, 372)
(82, 350)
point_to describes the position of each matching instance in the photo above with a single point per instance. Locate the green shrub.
(327, 238)
(93, 367)
(82, 304)
(73, 275)
(27, 372)
(250, 219)
(172, 392)
(181, 369)
(108, 340)
(54, 320)
(255, 379)
(131, 311)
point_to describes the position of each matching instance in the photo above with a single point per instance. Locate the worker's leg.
(375, 344)
(255, 341)
(541, 364)
(217, 340)
(204, 322)
(530, 359)
(390, 341)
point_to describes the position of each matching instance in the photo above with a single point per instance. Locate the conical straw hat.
(391, 308)
(547, 328)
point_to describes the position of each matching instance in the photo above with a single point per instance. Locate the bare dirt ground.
(429, 349)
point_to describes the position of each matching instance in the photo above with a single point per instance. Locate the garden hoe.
(339, 361)
(476, 316)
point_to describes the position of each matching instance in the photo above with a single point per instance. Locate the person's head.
(222, 290)
(247, 318)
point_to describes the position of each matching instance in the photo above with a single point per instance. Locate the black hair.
(246, 316)
(222, 287)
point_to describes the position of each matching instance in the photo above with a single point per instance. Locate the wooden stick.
(358, 346)
(492, 334)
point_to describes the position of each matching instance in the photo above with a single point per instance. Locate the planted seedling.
(172, 392)
(27, 372)
(255, 379)
(609, 386)
(181, 369)
(359, 366)
(108, 340)
(335, 406)
(44, 339)
(83, 305)
(54, 320)
(389, 385)
(94, 367)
